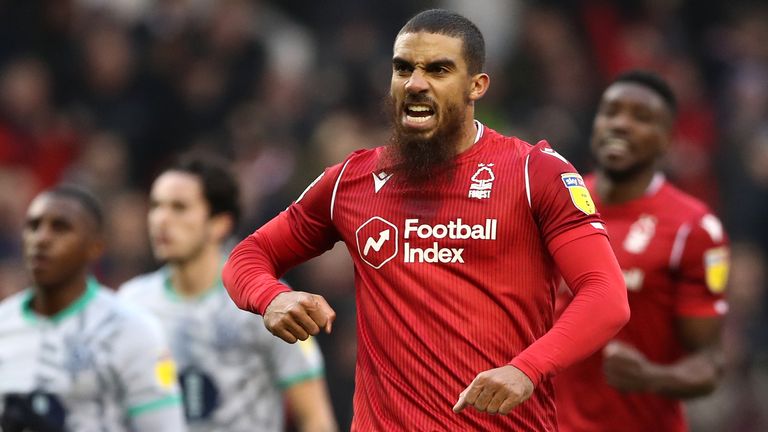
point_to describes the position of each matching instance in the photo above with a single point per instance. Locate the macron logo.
(549, 151)
(379, 180)
(376, 244)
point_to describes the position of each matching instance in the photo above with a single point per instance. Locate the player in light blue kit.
(233, 372)
(72, 357)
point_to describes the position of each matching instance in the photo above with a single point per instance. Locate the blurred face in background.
(631, 130)
(179, 217)
(430, 97)
(60, 240)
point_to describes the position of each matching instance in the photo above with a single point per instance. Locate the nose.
(620, 122)
(416, 83)
(40, 237)
(157, 217)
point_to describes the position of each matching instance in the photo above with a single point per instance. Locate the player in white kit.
(72, 357)
(233, 372)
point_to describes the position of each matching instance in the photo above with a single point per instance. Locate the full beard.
(416, 158)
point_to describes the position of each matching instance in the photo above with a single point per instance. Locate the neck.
(613, 191)
(198, 275)
(50, 300)
(469, 133)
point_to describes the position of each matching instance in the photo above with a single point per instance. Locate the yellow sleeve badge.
(579, 193)
(165, 372)
(716, 264)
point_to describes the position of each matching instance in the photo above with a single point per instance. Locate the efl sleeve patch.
(716, 265)
(165, 372)
(579, 194)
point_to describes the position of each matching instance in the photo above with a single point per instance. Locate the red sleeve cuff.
(266, 294)
(528, 369)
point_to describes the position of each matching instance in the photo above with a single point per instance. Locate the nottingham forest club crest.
(482, 182)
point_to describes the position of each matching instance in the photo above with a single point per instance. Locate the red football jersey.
(673, 252)
(453, 277)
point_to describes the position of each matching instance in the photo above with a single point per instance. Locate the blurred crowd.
(104, 92)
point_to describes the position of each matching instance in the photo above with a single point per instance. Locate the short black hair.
(84, 197)
(448, 23)
(220, 186)
(652, 81)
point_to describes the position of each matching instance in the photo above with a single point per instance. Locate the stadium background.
(103, 92)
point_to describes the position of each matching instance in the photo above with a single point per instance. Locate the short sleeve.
(145, 367)
(559, 199)
(702, 269)
(297, 362)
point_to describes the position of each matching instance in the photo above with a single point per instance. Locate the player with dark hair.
(458, 235)
(674, 255)
(72, 357)
(233, 372)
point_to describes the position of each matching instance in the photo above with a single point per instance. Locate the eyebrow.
(445, 62)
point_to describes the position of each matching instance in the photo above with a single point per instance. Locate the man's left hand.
(496, 391)
(626, 368)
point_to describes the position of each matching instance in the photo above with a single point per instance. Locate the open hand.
(295, 315)
(496, 391)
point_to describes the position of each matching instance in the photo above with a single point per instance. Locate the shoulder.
(361, 161)
(545, 168)
(131, 319)
(683, 204)
(690, 212)
(541, 157)
(508, 144)
(11, 306)
(699, 231)
(142, 285)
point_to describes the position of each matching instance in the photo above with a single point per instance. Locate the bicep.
(575, 265)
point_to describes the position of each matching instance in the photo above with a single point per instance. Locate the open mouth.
(616, 146)
(418, 113)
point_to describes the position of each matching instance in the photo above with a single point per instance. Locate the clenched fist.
(295, 315)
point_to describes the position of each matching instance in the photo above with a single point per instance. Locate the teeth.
(617, 143)
(418, 119)
(419, 108)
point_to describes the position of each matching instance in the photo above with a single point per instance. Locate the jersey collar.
(174, 295)
(480, 129)
(656, 183)
(74, 308)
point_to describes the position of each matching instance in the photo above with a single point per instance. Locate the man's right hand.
(295, 315)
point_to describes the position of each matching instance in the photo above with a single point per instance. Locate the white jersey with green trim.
(232, 370)
(96, 366)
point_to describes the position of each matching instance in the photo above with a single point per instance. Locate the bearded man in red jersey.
(674, 255)
(458, 236)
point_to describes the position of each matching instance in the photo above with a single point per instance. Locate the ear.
(221, 226)
(478, 86)
(96, 248)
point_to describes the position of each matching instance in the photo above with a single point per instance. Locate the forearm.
(250, 277)
(311, 405)
(693, 376)
(596, 313)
